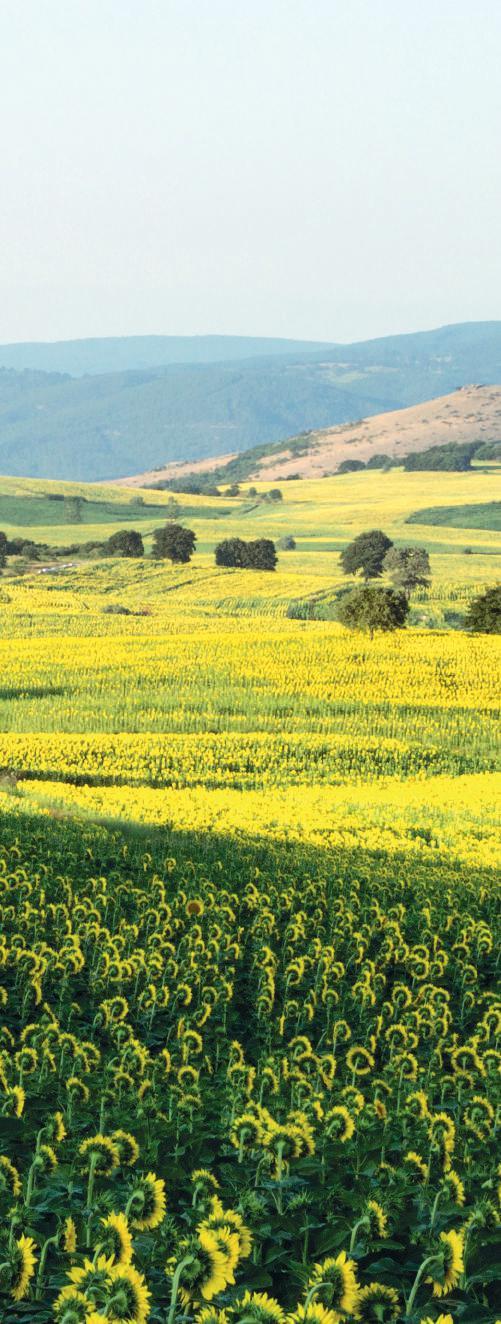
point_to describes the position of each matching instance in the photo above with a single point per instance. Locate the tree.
(350, 466)
(453, 457)
(373, 609)
(379, 461)
(408, 567)
(366, 553)
(3, 549)
(261, 554)
(174, 543)
(232, 552)
(287, 543)
(484, 612)
(127, 542)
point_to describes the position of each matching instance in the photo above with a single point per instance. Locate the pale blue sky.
(310, 168)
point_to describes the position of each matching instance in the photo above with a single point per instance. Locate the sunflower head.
(116, 1238)
(335, 1284)
(259, 1307)
(101, 1152)
(449, 1265)
(22, 1267)
(128, 1295)
(378, 1304)
(69, 1236)
(150, 1202)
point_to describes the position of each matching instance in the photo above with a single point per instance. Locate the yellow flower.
(69, 1236)
(378, 1303)
(314, 1313)
(10, 1176)
(339, 1123)
(377, 1218)
(151, 1202)
(71, 1301)
(260, 1307)
(336, 1285)
(450, 1265)
(103, 1151)
(129, 1297)
(127, 1146)
(117, 1238)
(23, 1267)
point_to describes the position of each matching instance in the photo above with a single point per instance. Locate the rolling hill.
(470, 414)
(97, 427)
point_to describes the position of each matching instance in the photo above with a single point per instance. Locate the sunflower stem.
(176, 1279)
(51, 1241)
(362, 1222)
(432, 1259)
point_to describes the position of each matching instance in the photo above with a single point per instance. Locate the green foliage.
(371, 609)
(366, 554)
(454, 457)
(380, 461)
(484, 613)
(287, 543)
(350, 466)
(3, 549)
(174, 543)
(258, 554)
(126, 542)
(485, 515)
(408, 567)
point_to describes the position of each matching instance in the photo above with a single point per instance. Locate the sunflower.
(129, 1298)
(314, 1313)
(441, 1319)
(22, 1268)
(204, 1179)
(204, 1269)
(103, 1151)
(211, 1315)
(416, 1164)
(377, 1219)
(9, 1177)
(69, 1236)
(378, 1303)
(151, 1191)
(339, 1123)
(91, 1274)
(220, 1217)
(260, 1307)
(450, 1264)
(335, 1284)
(127, 1146)
(117, 1240)
(73, 1303)
(229, 1245)
(454, 1187)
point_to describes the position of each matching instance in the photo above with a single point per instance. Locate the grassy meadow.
(249, 1059)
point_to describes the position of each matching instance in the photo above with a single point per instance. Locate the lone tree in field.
(408, 567)
(261, 554)
(232, 552)
(127, 542)
(174, 543)
(3, 550)
(484, 612)
(371, 609)
(366, 553)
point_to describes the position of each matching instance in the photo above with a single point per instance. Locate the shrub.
(174, 543)
(484, 613)
(371, 609)
(127, 542)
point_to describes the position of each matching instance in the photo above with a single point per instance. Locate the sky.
(324, 169)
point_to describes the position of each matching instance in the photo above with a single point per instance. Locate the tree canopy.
(366, 554)
(174, 543)
(126, 542)
(484, 613)
(408, 567)
(371, 609)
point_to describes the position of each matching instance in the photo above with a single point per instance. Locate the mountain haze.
(112, 424)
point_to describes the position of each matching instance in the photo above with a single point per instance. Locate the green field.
(482, 516)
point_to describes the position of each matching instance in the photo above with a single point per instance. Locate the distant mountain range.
(107, 424)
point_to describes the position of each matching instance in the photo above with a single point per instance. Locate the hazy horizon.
(199, 167)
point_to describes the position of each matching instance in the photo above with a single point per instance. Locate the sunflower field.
(250, 1022)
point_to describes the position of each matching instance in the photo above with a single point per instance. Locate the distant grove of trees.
(259, 554)
(451, 457)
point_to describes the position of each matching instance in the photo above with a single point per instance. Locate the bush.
(371, 609)
(484, 613)
(240, 555)
(174, 543)
(127, 542)
(379, 461)
(350, 466)
(287, 543)
(408, 567)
